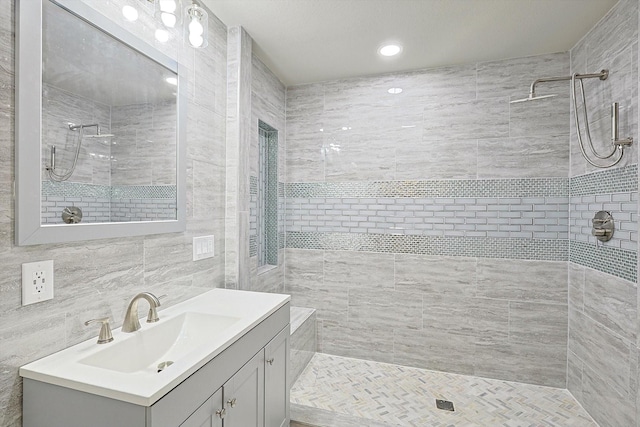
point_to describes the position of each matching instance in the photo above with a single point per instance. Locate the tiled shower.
(445, 228)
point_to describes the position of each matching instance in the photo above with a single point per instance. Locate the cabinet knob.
(221, 413)
(232, 402)
(270, 361)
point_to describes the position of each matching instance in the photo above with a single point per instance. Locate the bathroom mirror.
(100, 128)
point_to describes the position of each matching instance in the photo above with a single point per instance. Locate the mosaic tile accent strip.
(534, 187)
(253, 246)
(530, 217)
(378, 394)
(253, 185)
(617, 262)
(143, 192)
(74, 189)
(486, 247)
(618, 180)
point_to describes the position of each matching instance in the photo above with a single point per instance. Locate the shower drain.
(445, 405)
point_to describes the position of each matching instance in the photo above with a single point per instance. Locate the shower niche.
(100, 125)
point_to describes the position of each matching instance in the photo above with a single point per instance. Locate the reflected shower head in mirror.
(532, 97)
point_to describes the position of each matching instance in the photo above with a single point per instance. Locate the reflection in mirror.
(108, 126)
(100, 128)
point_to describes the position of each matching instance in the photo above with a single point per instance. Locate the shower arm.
(602, 75)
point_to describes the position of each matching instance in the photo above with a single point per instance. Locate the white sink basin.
(170, 340)
(188, 334)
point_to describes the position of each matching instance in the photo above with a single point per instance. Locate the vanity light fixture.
(162, 35)
(169, 12)
(196, 27)
(130, 13)
(390, 50)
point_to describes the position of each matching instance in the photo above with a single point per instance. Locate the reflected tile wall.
(98, 278)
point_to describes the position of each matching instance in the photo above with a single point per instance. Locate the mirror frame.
(28, 174)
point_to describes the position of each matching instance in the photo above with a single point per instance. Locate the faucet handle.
(152, 317)
(105, 330)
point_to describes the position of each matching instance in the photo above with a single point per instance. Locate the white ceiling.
(304, 41)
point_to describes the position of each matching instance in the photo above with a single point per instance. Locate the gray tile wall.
(267, 104)
(457, 314)
(94, 279)
(603, 316)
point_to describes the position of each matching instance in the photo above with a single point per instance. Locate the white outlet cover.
(37, 282)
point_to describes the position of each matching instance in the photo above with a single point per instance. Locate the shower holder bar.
(602, 75)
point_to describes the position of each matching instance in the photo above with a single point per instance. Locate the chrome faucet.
(131, 322)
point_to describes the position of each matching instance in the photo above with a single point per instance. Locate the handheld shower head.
(532, 97)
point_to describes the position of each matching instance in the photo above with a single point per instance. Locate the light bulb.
(130, 13)
(390, 50)
(195, 27)
(162, 35)
(168, 6)
(196, 40)
(168, 19)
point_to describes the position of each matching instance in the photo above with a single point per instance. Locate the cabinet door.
(210, 414)
(244, 395)
(276, 380)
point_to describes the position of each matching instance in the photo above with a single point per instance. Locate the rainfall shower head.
(532, 97)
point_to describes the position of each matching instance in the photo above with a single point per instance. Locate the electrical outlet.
(203, 247)
(37, 282)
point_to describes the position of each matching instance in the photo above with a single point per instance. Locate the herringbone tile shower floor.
(343, 392)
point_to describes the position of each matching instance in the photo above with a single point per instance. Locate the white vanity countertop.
(145, 386)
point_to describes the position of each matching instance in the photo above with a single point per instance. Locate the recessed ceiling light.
(395, 90)
(390, 50)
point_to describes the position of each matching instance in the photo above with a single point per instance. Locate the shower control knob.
(71, 215)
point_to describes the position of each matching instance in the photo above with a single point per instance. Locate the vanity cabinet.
(257, 395)
(243, 386)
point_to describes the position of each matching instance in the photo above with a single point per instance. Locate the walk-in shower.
(51, 169)
(617, 150)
